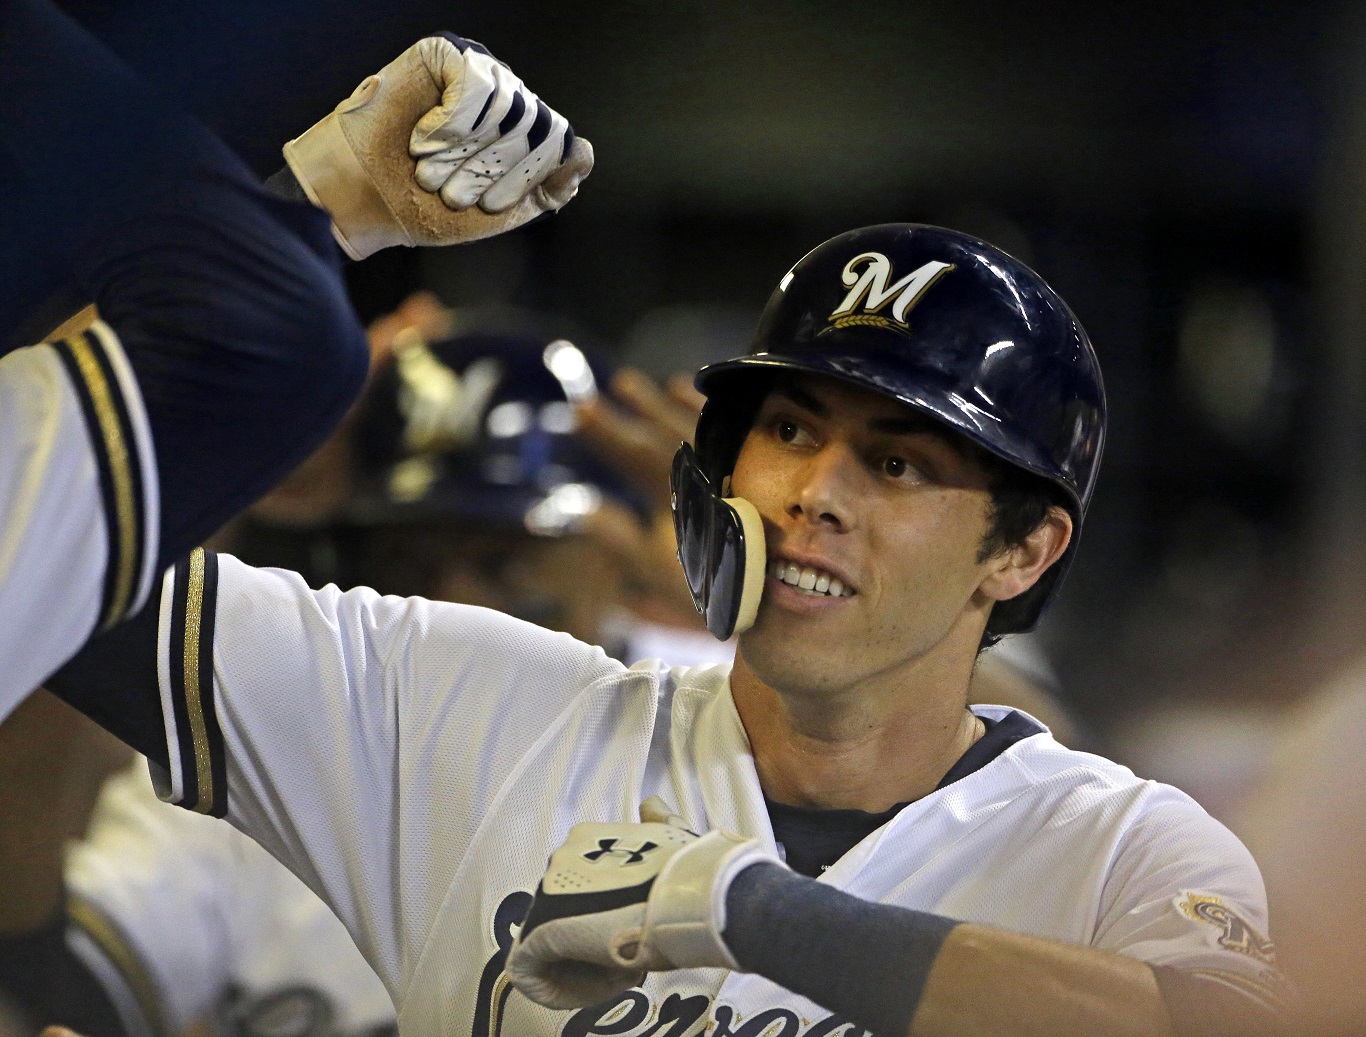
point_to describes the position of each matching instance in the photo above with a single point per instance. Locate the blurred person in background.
(123, 917)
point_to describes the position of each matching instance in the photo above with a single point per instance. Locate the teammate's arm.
(226, 348)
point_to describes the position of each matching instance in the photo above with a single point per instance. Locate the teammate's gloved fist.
(619, 900)
(491, 141)
(445, 144)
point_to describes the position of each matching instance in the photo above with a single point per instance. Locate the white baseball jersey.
(416, 763)
(78, 502)
(211, 924)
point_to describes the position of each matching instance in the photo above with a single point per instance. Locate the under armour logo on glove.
(594, 931)
(608, 847)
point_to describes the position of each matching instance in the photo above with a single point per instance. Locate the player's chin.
(789, 650)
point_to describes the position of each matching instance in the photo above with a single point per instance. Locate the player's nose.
(824, 491)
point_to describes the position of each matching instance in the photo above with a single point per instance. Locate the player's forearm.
(987, 981)
(896, 971)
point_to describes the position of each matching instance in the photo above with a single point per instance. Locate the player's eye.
(787, 431)
(898, 467)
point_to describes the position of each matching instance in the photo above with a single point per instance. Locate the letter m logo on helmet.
(868, 288)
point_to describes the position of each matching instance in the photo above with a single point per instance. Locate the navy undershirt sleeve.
(865, 962)
(113, 680)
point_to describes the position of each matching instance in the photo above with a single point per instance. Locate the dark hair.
(1020, 501)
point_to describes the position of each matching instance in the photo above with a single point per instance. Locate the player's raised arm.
(225, 349)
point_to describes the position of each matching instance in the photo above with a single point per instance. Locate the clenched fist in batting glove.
(619, 900)
(443, 145)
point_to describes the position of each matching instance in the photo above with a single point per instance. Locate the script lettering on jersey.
(867, 276)
(1236, 933)
(494, 987)
(630, 1015)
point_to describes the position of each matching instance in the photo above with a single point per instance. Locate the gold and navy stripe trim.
(119, 950)
(199, 739)
(114, 444)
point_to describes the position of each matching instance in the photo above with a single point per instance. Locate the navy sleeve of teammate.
(225, 349)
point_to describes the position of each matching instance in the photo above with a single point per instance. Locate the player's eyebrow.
(803, 399)
(911, 425)
(898, 425)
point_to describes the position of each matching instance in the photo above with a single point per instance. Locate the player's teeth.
(813, 581)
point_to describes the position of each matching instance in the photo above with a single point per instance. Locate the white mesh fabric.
(367, 737)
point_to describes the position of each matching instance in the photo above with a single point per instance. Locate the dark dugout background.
(1188, 176)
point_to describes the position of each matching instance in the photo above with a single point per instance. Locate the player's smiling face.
(875, 516)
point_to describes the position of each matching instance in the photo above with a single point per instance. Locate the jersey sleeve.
(359, 738)
(1184, 893)
(78, 503)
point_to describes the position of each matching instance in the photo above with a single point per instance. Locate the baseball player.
(224, 348)
(829, 840)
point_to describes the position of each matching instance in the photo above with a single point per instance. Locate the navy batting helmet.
(949, 325)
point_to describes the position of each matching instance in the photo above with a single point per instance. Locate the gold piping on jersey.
(498, 1001)
(116, 947)
(194, 605)
(197, 739)
(114, 453)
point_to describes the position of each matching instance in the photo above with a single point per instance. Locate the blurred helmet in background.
(471, 484)
(479, 427)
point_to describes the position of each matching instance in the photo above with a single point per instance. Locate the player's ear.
(1017, 568)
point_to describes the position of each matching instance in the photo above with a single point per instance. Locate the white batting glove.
(443, 145)
(620, 900)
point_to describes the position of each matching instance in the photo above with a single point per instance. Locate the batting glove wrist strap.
(444, 145)
(686, 912)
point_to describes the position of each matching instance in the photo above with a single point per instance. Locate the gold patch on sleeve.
(1236, 933)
